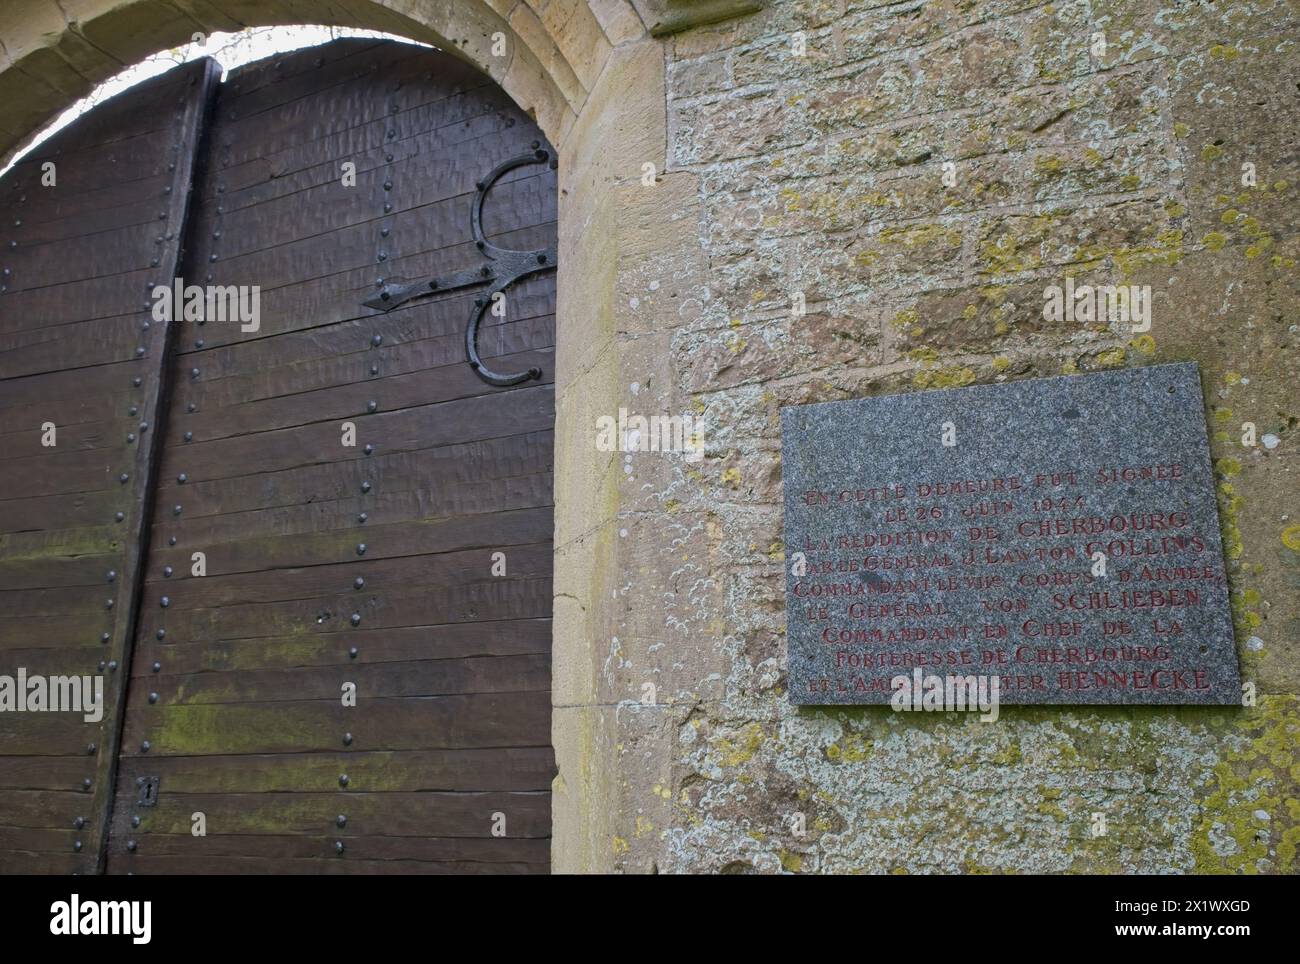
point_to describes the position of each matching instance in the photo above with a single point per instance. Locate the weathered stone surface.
(670, 16)
(1123, 168)
(619, 20)
(800, 166)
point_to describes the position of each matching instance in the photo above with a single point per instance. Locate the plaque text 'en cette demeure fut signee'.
(1060, 534)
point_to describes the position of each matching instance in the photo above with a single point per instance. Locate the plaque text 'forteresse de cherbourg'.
(1060, 534)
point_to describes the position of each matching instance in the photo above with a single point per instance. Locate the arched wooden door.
(340, 658)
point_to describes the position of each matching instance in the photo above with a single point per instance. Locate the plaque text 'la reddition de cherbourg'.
(980, 557)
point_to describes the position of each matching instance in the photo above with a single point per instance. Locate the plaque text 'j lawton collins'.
(1058, 534)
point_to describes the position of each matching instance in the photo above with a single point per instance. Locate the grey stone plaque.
(1061, 534)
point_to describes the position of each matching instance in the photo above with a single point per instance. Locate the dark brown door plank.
(327, 564)
(75, 350)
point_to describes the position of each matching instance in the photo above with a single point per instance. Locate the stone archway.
(549, 61)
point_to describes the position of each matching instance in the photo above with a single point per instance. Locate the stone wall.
(824, 174)
(678, 749)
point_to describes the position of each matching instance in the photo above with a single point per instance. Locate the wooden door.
(342, 500)
(88, 223)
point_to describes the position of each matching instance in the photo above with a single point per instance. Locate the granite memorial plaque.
(1059, 534)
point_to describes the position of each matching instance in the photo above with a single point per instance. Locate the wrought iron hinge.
(504, 268)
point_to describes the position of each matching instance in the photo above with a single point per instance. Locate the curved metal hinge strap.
(471, 346)
(511, 266)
